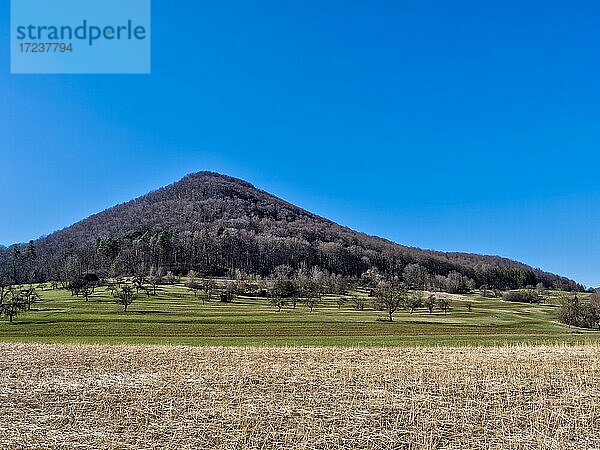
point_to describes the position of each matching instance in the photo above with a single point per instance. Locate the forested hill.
(215, 224)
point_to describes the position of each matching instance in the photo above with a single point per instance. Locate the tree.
(170, 278)
(86, 290)
(358, 302)
(154, 280)
(340, 301)
(112, 288)
(371, 277)
(526, 296)
(430, 303)
(29, 295)
(444, 304)
(138, 282)
(125, 296)
(541, 291)
(484, 289)
(456, 283)
(573, 312)
(391, 295)
(311, 301)
(414, 301)
(229, 292)
(208, 286)
(317, 286)
(12, 304)
(192, 284)
(277, 302)
(75, 285)
(194, 287)
(283, 287)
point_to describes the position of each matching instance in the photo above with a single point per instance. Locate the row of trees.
(221, 251)
(393, 295)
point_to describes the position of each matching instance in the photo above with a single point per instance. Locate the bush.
(522, 297)
(573, 312)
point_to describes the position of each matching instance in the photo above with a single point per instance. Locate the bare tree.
(138, 282)
(415, 276)
(430, 303)
(414, 301)
(154, 281)
(125, 296)
(340, 301)
(229, 293)
(170, 278)
(86, 290)
(29, 295)
(570, 310)
(208, 286)
(391, 295)
(277, 302)
(192, 284)
(358, 303)
(444, 304)
(12, 304)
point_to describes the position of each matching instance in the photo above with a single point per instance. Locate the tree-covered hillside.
(215, 224)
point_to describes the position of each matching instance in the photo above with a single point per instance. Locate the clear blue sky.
(466, 125)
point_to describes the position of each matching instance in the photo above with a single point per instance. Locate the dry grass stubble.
(162, 397)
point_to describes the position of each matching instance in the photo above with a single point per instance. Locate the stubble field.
(176, 397)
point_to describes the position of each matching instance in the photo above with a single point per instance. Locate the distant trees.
(228, 293)
(456, 283)
(283, 286)
(153, 280)
(540, 289)
(416, 276)
(86, 290)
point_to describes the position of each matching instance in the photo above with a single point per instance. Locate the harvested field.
(163, 397)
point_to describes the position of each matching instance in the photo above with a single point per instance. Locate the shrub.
(528, 296)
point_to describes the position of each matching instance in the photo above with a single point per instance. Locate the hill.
(217, 224)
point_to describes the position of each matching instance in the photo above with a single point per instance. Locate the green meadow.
(176, 316)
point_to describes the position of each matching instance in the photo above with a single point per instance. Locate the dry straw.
(138, 397)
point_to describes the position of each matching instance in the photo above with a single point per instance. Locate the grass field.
(175, 316)
(182, 397)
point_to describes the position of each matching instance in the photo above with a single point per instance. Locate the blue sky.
(469, 126)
